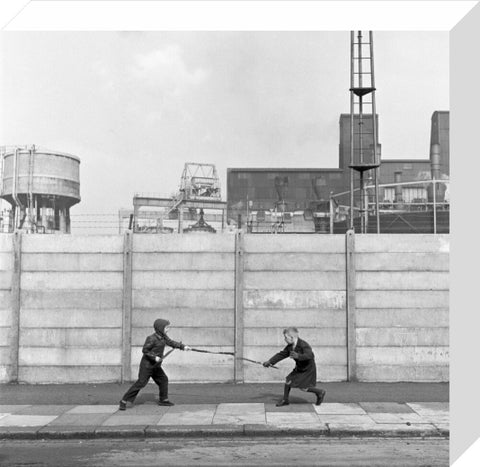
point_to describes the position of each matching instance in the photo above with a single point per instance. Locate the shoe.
(282, 403)
(166, 402)
(122, 405)
(320, 396)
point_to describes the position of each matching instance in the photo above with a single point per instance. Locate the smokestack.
(435, 161)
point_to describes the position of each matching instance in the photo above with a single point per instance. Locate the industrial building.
(41, 186)
(261, 196)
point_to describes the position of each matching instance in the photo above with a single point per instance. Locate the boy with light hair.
(304, 375)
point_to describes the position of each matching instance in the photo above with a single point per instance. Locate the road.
(373, 452)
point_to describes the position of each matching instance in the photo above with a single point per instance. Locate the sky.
(135, 106)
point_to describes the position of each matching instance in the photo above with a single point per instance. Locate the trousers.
(145, 372)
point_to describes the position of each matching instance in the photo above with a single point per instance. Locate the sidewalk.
(57, 411)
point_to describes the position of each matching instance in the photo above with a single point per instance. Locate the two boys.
(304, 375)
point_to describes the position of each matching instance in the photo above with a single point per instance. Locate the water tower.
(42, 186)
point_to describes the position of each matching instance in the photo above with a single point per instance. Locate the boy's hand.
(158, 359)
(293, 355)
(266, 364)
(187, 348)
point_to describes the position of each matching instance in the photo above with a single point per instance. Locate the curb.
(219, 431)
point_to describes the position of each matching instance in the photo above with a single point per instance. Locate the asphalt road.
(232, 452)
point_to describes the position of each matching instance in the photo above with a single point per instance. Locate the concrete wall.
(6, 270)
(402, 307)
(295, 280)
(71, 308)
(189, 280)
(81, 304)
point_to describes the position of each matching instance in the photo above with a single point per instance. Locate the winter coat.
(155, 344)
(304, 374)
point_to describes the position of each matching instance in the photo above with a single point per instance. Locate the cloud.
(166, 70)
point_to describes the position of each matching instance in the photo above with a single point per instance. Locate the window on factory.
(409, 194)
(389, 194)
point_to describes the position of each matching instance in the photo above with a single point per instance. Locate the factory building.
(263, 194)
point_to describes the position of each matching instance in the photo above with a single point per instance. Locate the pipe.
(14, 189)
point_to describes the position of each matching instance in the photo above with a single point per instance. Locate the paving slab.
(290, 408)
(292, 419)
(397, 417)
(189, 415)
(26, 420)
(66, 432)
(45, 409)
(385, 407)
(346, 419)
(123, 419)
(378, 429)
(339, 409)
(432, 413)
(239, 414)
(79, 419)
(146, 409)
(93, 409)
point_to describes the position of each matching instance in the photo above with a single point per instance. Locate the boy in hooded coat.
(150, 365)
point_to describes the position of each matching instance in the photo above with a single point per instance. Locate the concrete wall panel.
(6, 242)
(402, 355)
(295, 262)
(71, 299)
(186, 298)
(186, 243)
(304, 318)
(71, 337)
(325, 373)
(402, 261)
(398, 373)
(403, 317)
(72, 262)
(316, 337)
(401, 243)
(193, 336)
(80, 318)
(72, 280)
(5, 279)
(408, 280)
(193, 280)
(183, 262)
(402, 337)
(308, 281)
(183, 317)
(333, 300)
(70, 356)
(402, 299)
(72, 244)
(281, 244)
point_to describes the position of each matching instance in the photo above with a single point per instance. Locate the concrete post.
(238, 312)
(127, 308)
(15, 306)
(351, 310)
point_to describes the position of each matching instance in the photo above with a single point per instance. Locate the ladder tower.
(364, 147)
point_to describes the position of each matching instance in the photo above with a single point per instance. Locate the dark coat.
(155, 345)
(304, 374)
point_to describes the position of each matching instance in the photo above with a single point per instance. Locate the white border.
(236, 15)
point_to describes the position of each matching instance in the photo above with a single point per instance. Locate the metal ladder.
(364, 147)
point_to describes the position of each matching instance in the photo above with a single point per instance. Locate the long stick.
(233, 355)
(163, 358)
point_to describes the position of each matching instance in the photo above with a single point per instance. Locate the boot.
(320, 393)
(166, 402)
(122, 405)
(284, 401)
